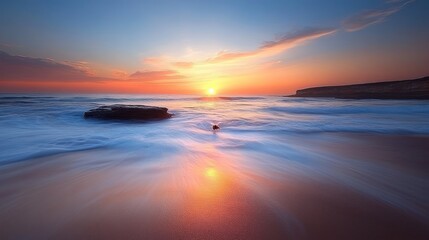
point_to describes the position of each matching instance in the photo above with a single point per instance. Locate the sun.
(211, 91)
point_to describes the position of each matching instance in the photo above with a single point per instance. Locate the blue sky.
(122, 34)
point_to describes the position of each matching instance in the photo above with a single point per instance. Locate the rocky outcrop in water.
(128, 112)
(406, 89)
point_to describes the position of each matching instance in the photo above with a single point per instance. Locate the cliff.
(405, 89)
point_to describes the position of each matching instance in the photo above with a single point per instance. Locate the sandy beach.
(103, 194)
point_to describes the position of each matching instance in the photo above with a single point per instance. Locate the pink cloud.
(21, 68)
(155, 75)
(183, 64)
(275, 47)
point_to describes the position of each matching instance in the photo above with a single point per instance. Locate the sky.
(188, 47)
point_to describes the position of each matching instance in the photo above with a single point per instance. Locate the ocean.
(278, 167)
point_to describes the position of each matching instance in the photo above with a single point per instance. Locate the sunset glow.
(269, 56)
(211, 91)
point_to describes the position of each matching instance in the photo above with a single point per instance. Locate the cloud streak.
(20, 68)
(275, 47)
(28, 69)
(183, 64)
(153, 76)
(369, 17)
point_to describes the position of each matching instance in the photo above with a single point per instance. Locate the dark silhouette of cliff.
(405, 89)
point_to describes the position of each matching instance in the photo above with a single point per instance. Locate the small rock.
(215, 127)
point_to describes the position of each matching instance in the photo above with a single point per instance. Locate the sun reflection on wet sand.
(204, 193)
(190, 196)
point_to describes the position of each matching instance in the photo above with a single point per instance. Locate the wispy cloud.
(275, 47)
(81, 65)
(21, 68)
(369, 17)
(152, 76)
(5, 45)
(183, 64)
(120, 74)
(155, 60)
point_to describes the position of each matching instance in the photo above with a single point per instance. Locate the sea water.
(262, 141)
(37, 125)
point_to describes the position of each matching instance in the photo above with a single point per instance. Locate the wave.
(33, 99)
(327, 110)
(55, 123)
(24, 97)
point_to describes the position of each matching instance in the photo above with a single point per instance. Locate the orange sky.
(367, 46)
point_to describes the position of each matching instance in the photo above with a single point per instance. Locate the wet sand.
(348, 186)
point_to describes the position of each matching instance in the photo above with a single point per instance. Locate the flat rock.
(128, 112)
